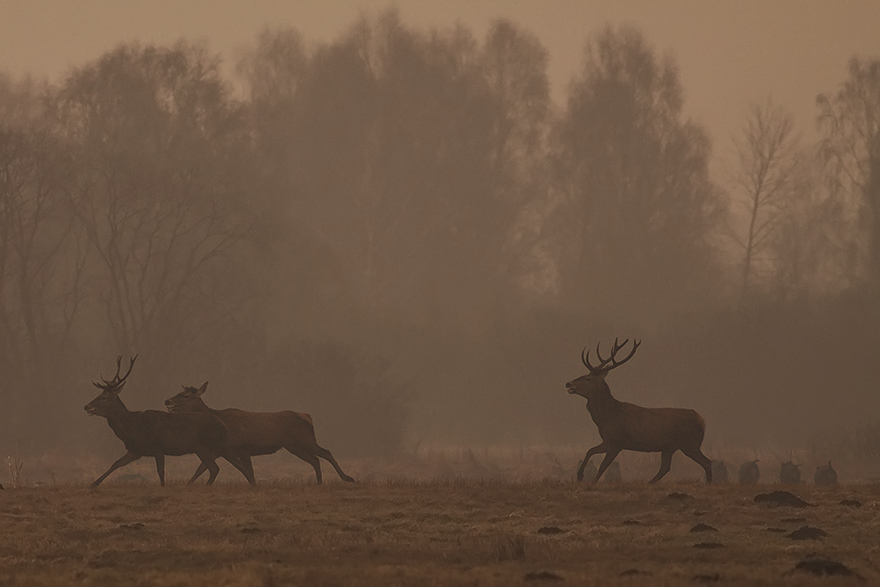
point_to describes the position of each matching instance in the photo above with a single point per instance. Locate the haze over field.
(408, 221)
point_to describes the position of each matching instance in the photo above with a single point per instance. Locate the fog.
(410, 231)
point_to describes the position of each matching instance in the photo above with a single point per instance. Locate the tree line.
(400, 232)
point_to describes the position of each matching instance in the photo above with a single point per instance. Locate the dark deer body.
(159, 434)
(789, 473)
(625, 426)
(825, 475)
(749, 473)
(260, 433)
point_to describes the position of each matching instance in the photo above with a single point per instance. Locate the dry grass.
(423, 533)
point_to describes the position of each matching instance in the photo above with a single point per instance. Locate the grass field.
(440, 532)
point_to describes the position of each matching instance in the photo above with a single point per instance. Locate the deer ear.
(202, 388)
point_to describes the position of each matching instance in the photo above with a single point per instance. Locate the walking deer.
(157, 434)
(260, 433)
(625, 426)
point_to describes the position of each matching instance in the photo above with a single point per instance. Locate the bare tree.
(159, 150)
(42, 261)
(765, 181)
(850, 121)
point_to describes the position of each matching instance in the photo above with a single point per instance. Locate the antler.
(116, 381)
(602, 366)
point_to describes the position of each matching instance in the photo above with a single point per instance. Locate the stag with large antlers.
(625, 426)
(260, 433)
(157, 434)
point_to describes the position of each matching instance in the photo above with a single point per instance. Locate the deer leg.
(702, 460)
(213, 469)
(599, 448)
(310, 459)
(127, 458)
(328, 456)
(246, 461)
(237, 461)
(610, 455)
(160, 468)
(665, 465)
(207, 463)
(202, 468)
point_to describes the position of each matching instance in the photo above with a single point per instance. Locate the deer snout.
(90, 410)
(570, 386)
(170, 405)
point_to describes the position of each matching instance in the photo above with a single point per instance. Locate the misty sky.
(729, 53)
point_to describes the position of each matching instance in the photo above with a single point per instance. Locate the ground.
(442, 532)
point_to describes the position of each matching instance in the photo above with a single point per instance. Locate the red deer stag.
(625, 426)
(157, 434)
(260, 433)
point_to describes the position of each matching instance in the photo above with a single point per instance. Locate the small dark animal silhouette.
(719, 472)
(625, 426)
(825, 475)
(612, 473)
(260, 433)
(749, 473)
(789, 473)
(157, 434)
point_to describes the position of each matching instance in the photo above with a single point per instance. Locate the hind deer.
(625, 426)
(157, 434)
(260, 433)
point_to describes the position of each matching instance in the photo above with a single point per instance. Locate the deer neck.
(200, 406)
(602, 406)
(120, 419)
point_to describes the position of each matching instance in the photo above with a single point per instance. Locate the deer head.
(594, 382)
(104, 404)
(188, 400)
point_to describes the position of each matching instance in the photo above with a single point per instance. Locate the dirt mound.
(550, 530)
(703, 528)
(543, 576)
(785, 498)
(807, 533)
(635, 572)
(823, 566)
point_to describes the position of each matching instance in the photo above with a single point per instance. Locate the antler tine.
(585, 357)
(118, 367)
(116, 379)
(616, 363)
(598, 354)
(602, 362)
(130, 366)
